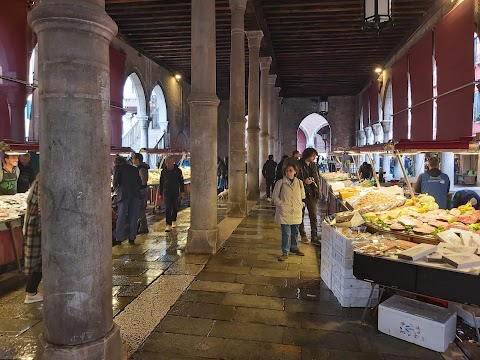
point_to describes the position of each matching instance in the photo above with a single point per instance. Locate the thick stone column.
(203, 232)
(265, 63)
(362, 138)
(237, 201)
(74, 99)
(253, 147)
(387, 130)
(419, 161)
(144, 135)
(272, 79)
(275, 102)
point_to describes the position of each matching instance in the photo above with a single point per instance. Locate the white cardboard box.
(419, 323)
(350, 283)
(359, 292)
(345, 272)
(348, 301)
(345, 262)
(343, 246)
(327, 255)
(326, 274)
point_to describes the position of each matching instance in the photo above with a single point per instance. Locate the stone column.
(362, 139)
(143, 120)
(265, 63)
(253, 147)
(203, 232)
(275, 102)
(447, 165)
(387, 130)
(272, 79)
(74, 99)
(33, 134)
(377, 133)
(398, 168)
(369, 135)
(237, 201)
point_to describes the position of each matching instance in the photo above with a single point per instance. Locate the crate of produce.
(426, 325)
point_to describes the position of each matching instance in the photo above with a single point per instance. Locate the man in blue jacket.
(434, 183)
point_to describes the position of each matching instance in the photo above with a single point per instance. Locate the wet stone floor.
(238, 304)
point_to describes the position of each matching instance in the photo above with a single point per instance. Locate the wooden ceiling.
(318, 46)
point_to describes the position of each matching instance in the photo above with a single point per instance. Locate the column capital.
(254, 38)
(272, 79)
(72, 15)
(265, 63)
(238, 5)
(277, 90)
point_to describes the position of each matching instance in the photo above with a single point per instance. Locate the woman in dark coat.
(33, 245)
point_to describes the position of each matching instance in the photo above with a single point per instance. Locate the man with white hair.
(172, 188)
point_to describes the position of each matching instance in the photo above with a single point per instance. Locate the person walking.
(172, 188)
(143, 172)
(33, 245)
(27, 174)
(288, 197)
(269, 172)
(280, 169)
(294, 159)
(221, 175)
(309, 174)
(127, 184)
(434, 183)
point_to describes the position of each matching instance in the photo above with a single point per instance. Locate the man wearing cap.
(9, 174)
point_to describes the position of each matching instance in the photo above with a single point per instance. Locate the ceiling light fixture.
(178, 77)
(378, 70)
(377, 15)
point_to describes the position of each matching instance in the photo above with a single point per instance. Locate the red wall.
(14, 64)
(117, 81)
(301, 140)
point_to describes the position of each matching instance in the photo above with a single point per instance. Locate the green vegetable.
(452, 221)
(474, 227)
(369, 219)
(438, 230)
(390, 218)
(409, 229)
(382, 224)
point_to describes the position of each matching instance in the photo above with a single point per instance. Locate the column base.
(202, 241)
(107, 348)
(253, 195)
(236, 210)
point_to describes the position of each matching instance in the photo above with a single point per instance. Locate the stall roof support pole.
(405, 175)
(374, 172)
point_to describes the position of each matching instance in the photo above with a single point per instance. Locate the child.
(288, 197)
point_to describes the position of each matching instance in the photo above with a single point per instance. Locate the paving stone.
(310, 307)
(238, 270)
(185, 325)
(275, 273)
(245, 331)
(329, 354)
(270, 290)
(261, 280)
(321, 339)
(142, 355)
(211, 347)
(265, 264)
(202, 310)
(131, 291)
(385, 344)
(310, 274)
(335, 323)
(16, 327)
(134, 271)
(255, 301)
(155, 265)
(224, 262)
(120, 302)
(184, 269)
(207, 297)
(268, 317)
(217, 286)
(214, 276)
(34, 331)
(119, 280)
(304, 267)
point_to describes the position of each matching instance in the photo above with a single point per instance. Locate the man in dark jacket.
(127, 184)
(293, 160)
(280, 170)
(365, 171)
(269, 172)
(172, 188)
(434, 183)
(309, 174)
(27, 174)
(142, 167)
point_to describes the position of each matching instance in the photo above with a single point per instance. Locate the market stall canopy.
(165, 151)
(462, 145)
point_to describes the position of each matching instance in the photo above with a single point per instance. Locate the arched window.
(135, 106)
(314, 131)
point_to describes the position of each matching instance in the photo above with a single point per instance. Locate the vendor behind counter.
(435, 183)
(9, 174)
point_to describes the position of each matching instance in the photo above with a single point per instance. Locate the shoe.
(30, 299)
(116, 242)
(140, 232)
(297, 252)
(269, 200)
(305, 240)
(168, 228)
(131, 242)
(316, 241)
(283, 257)
(174, 224)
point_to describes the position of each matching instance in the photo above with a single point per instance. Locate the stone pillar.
(398, 168)
(362, 139)
(377, 133)
(253, 147)
(265, 63)
(419, 161)
(275, 103)
(376, 162)
(369, 135)
(387, 130)
(143, 120)
(74, 100)
(203, 232)
(386, 166)
(447, 165)
(237, 201)
(33, 134)
(272, 79)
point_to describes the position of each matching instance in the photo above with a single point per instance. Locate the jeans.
(312, 207)
(289, 231)
(142, 217)
(171, 207)
(127, 213)
(270, 186)
(33, 281)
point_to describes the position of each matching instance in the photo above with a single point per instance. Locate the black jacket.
(366, 171)
(279, 174)
(143, 172)
(305, 171)
(26, 178)
(221, 169)
(126, 182)
(171, 181)
(269, 169)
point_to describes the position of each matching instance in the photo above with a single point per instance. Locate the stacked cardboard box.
(327, 254)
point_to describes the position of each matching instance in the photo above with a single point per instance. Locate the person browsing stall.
(269, 172)
(172, 188)
(288, 197)
(9, 174)
(143, 168)
(27, 174)
(435, 183)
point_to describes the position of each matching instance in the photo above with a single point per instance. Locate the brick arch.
(141, 89)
